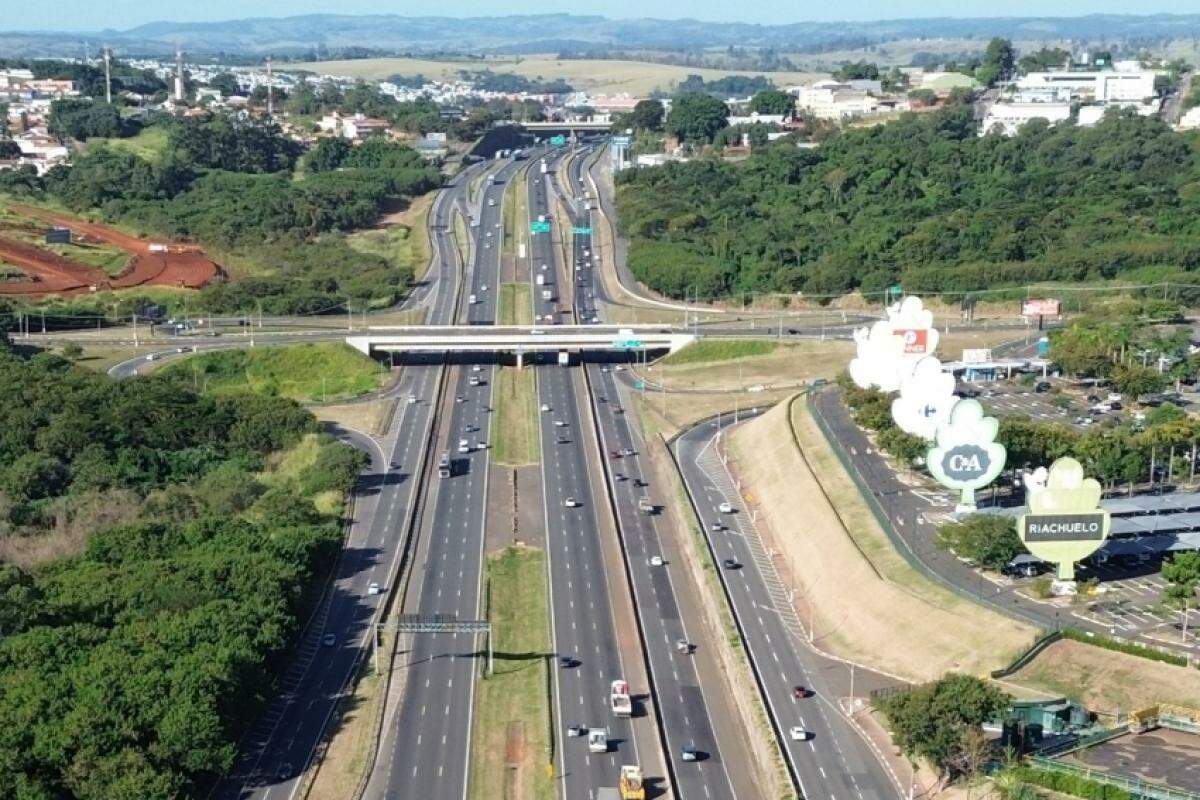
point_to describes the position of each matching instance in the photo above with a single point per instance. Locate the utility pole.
(135, 336)
(270, 92)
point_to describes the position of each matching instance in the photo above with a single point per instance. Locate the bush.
(987, 539)
(1075, 785)
(1128, 648)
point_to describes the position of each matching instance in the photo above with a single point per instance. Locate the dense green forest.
(240, 187)
(158, 550)
(922, 201)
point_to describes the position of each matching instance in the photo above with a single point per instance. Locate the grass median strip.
(511, 749)
(516, 432)
(516, 304)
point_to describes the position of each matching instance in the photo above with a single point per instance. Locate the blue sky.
(92, 15)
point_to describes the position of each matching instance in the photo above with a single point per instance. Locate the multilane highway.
(427, 741)
(278, 749)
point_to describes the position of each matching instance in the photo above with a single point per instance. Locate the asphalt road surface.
(275, 752)
(427, 743)
(827, 756)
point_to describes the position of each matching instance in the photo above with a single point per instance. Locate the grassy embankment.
(868, 602)
(306, 372)
(511, 736)
(516, 430)
(150, 143)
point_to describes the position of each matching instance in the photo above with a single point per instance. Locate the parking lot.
(1058, 405)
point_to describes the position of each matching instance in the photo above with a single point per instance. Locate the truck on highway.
(619, 699)
(157, 248)
(543, 167)
(541, 280)
(564, 358)
(632, 786)
(598, 740)
(646, 505)
(444, 466)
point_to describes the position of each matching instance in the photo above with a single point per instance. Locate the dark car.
(729, 563)
(1042, 387)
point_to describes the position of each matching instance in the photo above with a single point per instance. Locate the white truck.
(541, 280)
(543, 167)
(619, 699)
(564, 358)
(646, 505)
(598, 740)
(156, 247)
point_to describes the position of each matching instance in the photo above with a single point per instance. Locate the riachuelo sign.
(1065, 522)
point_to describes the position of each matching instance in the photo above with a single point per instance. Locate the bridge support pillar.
(520, 360)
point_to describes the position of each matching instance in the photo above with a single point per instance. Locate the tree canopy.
(772, 101)
(923, 201)
(696, 118)
(131, 665)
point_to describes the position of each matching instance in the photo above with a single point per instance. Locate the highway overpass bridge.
(520, 340)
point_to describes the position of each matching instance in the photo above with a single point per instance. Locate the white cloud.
(926, 399)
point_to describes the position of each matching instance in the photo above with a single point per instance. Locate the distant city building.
(1105, 86)
(1008, 118)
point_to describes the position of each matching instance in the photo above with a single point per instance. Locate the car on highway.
(412, 398)
(656, 561)
(626, 451)
(614, 453)
(463, 446)
(459, 399)
(799, 692)
(571, 502)
(689, 753)
(729, 563)
(545, 408)
(558, 423)
(577, 730)
(373, 588)
(716, 526)
(566, 662)
(476, 368)
(329, 640)
(618, 477)
(683, 646)
(725, 508)
(798, 734)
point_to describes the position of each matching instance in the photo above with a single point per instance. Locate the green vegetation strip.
(511, 743)
(516, 304)
(1065, 783)
(516, 431)
(1128, 648)
(709, 350)
(307, 372)
(399, 245)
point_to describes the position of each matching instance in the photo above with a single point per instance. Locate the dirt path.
(179, 265)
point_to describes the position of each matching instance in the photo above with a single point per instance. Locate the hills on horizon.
(323, 35)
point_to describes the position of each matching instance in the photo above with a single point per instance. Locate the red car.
(799, 692)
(613, 454)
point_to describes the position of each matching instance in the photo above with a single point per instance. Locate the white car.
(412, 398)
(725, 508)
(798, 734)
(571, 502)
(329, 640)
(656, 561)
(373, 588)
(558, 423)
(545, 408)
(476, 368)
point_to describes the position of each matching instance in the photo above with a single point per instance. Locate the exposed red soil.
(181, 265)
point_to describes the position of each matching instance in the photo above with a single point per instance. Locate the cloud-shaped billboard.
(926, 399)
(887, 351)
(1065, 522)
(967, 456)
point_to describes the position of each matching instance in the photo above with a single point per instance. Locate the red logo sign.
(916, 340)
(1041, 308)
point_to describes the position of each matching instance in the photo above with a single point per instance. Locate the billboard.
(926, 399)
(1064, 523)
(886, 352)
(979, 355)
(916, 340)
(1041, 308)
(966, 455)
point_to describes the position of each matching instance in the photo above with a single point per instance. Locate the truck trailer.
(619, 699)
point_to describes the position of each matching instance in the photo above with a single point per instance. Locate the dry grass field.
(593, 75)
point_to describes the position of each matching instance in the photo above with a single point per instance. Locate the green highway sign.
(539, 227)
(558, 141)
(582, 231)
(627, 343)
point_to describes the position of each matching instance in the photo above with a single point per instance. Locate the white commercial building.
(834, 100)
(1107, 86)
(1007, 118)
